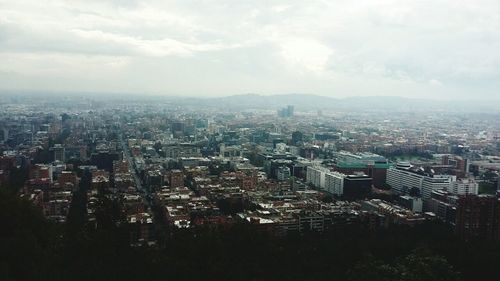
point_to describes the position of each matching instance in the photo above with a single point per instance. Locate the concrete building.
(283, 173)
(59, 152)
(402, 179)
(464, 187)
(334, 183)
(436, 182)
(315, 176)
(176, 178)
(478, 217)
(411, 203)
(357, 186)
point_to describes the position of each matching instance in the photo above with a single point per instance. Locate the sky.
(441, 49)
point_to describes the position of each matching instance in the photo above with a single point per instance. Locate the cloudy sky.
(414, 48)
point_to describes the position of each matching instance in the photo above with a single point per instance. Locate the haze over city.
(441, 49)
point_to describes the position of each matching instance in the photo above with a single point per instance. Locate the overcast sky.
(433, 49)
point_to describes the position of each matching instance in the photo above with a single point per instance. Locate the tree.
(419, 265)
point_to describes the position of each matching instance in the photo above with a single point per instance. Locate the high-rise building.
(286, 112)
(315, 175)
(289, 110)
(478, 217)
(334, 183)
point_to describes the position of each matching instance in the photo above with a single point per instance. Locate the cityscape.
(263, 140)
(159, 170)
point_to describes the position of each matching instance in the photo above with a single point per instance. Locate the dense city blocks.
(153, 170)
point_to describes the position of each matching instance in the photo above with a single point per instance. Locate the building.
(357, 186)
(315, 176)
(178, 150)
(334, 183)
(478, 217)
(59, 152)
(436, 182)
(176, 178)
(286, 112)
(351, 187)
(443, 205)
(310, 221)
(402, 180)
(283, 173)
(229, 151)
(459, 165)
(361, 157)
(411, 203)
(378, 171)
(464, 187)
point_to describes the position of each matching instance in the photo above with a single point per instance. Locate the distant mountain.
(274, 102)
(315, 102)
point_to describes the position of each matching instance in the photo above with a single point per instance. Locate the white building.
(402, 179)
(464, 187)
(334, 183)
(324, 179)
(315, 176)
(437, 182)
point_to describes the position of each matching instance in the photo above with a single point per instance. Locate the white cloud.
(435, 82)
(221, 47)
(305, 54)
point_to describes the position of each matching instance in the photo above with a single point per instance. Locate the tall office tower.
(286, 112)
(289, 111)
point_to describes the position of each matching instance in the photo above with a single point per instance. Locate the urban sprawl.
(280, 171)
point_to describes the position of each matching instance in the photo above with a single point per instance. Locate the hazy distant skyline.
(430, 49)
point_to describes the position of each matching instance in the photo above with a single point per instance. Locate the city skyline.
(417, 49)
(249, 140)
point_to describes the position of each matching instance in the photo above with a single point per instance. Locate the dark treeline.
(34, 249)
